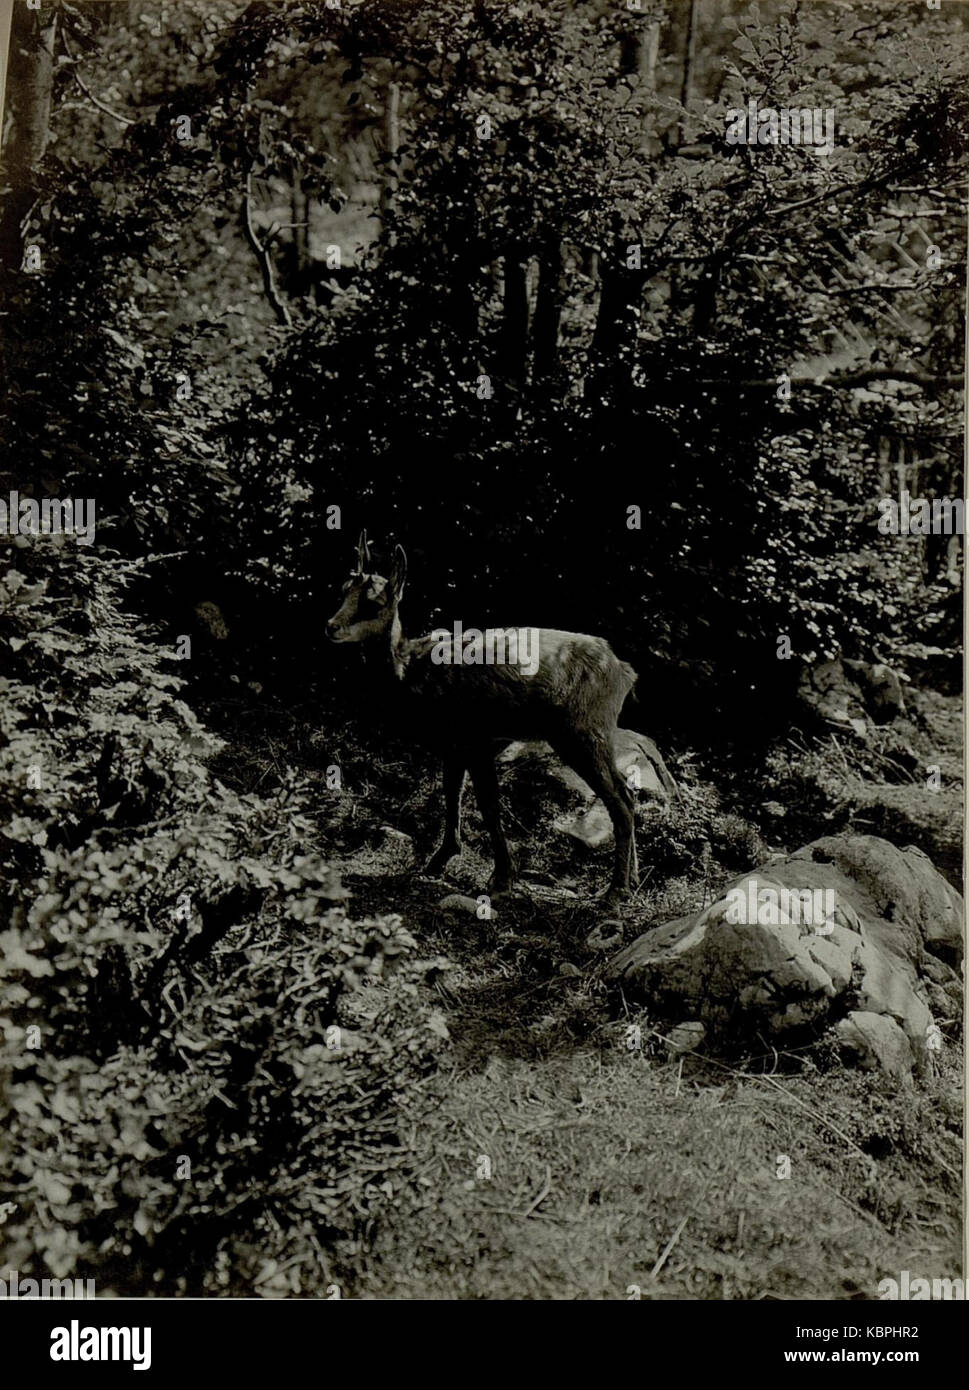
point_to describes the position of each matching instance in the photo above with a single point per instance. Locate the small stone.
(605, 936)
(459, 902)
(877, 1042)
(685, 1037)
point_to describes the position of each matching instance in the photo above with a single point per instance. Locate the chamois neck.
(399, 647)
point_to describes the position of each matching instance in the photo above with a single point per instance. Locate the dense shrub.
(204, 1058)
(491, 381)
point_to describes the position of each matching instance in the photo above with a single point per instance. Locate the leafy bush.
(430, 400)
(205, 1059)
(693, 835)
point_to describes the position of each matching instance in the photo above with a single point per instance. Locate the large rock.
(879, 928)
(641, 766)
(639, 763)
(851, 694)
(880, 687)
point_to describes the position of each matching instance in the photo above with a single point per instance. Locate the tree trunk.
(705, 294)
(514, 336)
(615, 326)
(30, 83)
(548, 312)
(638, 53)
(689, 63)
(619, 288)
(296, 255)
(388, 187)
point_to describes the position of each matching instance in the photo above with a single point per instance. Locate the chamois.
(472, 702)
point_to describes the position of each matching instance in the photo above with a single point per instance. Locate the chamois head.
(369, 601)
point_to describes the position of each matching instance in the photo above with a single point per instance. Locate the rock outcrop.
(844, 931)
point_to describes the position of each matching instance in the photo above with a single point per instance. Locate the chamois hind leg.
(484, 775)
(455, 769)
(591, 756)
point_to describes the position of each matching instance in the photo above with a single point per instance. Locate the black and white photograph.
(482, 511)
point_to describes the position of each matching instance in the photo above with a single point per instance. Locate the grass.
(616, 1174)
(554, 1162)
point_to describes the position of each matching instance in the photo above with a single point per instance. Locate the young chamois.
(471, 701)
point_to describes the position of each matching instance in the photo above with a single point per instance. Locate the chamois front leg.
(455, 768)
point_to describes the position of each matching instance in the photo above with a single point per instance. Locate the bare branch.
(261, 252)
(102, 106)
(843, 381)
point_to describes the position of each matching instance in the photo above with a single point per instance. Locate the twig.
(102, 106)
(546, 1189)
(669, 1246)
(869, 184)
(848, 773)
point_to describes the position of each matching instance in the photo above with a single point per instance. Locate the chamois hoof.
(500, 883)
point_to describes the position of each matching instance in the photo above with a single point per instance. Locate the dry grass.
(604, 1161)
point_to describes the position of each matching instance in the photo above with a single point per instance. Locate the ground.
(565, 1151)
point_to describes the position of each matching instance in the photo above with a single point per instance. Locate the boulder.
(848, 924)
(641, 766)
(880, 687)
(639, 763)
(919, 909)
(851, 694)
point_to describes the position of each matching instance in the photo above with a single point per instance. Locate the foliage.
(659, 385)
(562, 295)
(149, 914)
(582, 305)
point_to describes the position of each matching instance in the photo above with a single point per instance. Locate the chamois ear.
(398, 570)
(363, 553)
